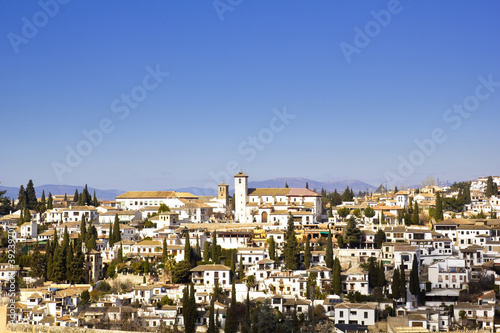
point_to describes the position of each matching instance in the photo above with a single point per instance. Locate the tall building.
(274, 205)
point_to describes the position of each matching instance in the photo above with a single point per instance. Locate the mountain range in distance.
(111, 194)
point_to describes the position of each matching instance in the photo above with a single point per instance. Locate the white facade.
(357, 313)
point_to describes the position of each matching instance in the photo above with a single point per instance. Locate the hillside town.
(283, 259)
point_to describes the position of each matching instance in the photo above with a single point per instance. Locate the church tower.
(223, 195)
(240, 197)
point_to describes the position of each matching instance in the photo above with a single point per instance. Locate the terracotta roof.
(155, 194)
(202, 268)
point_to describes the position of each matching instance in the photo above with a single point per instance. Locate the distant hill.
(356, 185)
(329, 186)
(13, 192)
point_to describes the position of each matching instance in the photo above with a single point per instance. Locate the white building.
(355, 313)
(208, 275)
(273, 205)
(449, 273)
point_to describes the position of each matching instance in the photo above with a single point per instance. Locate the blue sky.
(351, 119)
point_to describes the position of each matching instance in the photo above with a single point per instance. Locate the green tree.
(5, 205)
(163, 208)
(336, 277)
(291, 251)
(206, 252)
(380, 238)
(95, 202)
(164, 256)
(83, 228)
(215, 250)
(414, 279)
(50, 202)
(78, 265)
(187, 248)
(307, 185)
(369, 212)
(489, 187)
(58, 267)
(21, 199)
(438, 211)
(38, 263)
(211, 319)
(246, 325)
(357, 212)
(347, 195)
(396, 285)
(402, 283)
(119, 255)
(189, 309)
(343, 212)
(329, 250)
(336, 199)
(286, 185)
(307, 254)
(353, 234)
(265, 319)
(415, 218)
(42, 199)
(117, 234)
(181, 272)
(85, 297)
(231, 323)
(31, 200)
(110, 235)
(330, 212)
(381, 282)
(272, 249)
(76, 196)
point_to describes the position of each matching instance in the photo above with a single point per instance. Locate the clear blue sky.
(352, 119)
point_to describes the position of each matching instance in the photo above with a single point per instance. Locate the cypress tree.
(111, 236)
(414, 278)
(286, 184)
(415, 218)
(58, 268)
(231, 324)
(95, 201)
(272, 249)
(65, 197)
(396, 285)
(336, 277)
(246, 326)
(206, 252)
(69, 264)
(42, 199)
(78, 265)
(31, 200)
(197, 248)
(489, 187)
(372, 273)
(403, 283)
(48, 260)
(50, 202)
(120, 254)
(187, 248)
(211, 318)
(438, 211)
(21, 199)
(380, 238)
(329, 250)
(307, 254)
(214, 249)
(117, 235)
(189, 309)
(164, 256)
(76, 196)
(381, 275)
(83, 228)
(65, 248)
(292, 258)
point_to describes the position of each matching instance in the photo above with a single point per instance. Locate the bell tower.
(223, 195)
(240, 197)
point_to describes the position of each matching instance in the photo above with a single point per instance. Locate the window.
(341, 314)
(366, 314)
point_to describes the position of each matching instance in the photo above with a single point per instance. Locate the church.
(273, 205)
